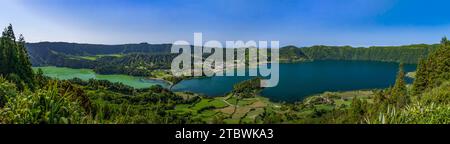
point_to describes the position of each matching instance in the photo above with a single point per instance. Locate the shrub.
(42, 106)
(7, 90)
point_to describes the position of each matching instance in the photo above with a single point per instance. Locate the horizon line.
(283, 46)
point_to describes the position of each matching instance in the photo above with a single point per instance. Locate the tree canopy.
(14, 60)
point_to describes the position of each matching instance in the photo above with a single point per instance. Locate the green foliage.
(357, 109)
(7, 90)
(398, 94)
(248, 88)
(14, 61)
(43, 106)
(94, 84)
(271, 117)
(173, 79)
(64, 102)
(292, 54)
(405, 54)
(41, 79)
(416, 113)
(439, 95)
(434, 70)
(138, 64)
(421, 80)
(431, 89)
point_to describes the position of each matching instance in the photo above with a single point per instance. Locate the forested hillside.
(136, 64)
(406, 54)
(97, 49)
(290, 54)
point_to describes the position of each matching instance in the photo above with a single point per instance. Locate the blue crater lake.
(300, 80)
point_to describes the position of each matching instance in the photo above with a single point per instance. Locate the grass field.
(206, 109)
(95, 57)
(160, 74)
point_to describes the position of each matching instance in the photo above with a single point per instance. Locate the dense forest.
(30, 97)
(136, 64)
(402, 54)
(96, 49)
(14, 61)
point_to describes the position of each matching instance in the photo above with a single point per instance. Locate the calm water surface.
(304, 79)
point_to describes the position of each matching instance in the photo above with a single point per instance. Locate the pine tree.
(7, 48)
(24, 62)
(356, 111)
(15, 63)
(40, 78)
(443, 60)
(9, 33)
(399, 91)
(379, 97)
(434, 70)
(2, 58)
(421, 79)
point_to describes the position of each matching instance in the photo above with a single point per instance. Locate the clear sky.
(292, 22)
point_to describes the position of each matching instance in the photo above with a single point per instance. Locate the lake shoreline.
(159, 79)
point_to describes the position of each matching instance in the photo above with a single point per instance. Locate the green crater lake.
(86, 74)
(297, 81)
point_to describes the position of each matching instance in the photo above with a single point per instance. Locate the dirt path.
(225, 101)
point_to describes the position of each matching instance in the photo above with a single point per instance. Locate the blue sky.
(292, 22)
